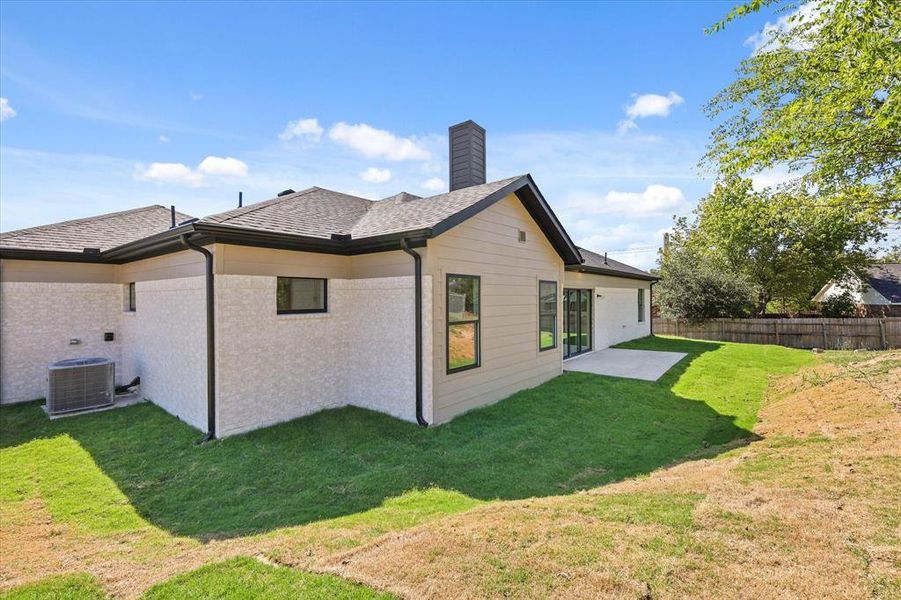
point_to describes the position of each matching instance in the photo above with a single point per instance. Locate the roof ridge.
(118, 213)
(245, 210)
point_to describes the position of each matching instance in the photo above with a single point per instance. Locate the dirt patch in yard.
(809, 510)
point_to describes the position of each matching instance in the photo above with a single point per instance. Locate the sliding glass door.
(576, 321)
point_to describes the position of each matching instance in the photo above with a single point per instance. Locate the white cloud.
(374, 175)
(223, 167)
(648, 105)
(629, 243)
(195, 96)
(434, 184)
(181, 174)
(173, 173)
(377, 143)
(765, 38)
(6, 111)
(771, 178)
(164, 139)
(306, 129)
(655, 200)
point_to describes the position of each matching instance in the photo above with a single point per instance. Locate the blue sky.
(113, 106)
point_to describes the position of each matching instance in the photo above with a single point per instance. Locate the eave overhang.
(610, 272)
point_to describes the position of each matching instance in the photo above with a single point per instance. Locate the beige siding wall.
(487, 245)
(168, 266)
(176, 265)
(587, 280)
(247, 260)
(615, 307)
(48, 271)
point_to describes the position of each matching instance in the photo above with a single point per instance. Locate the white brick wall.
(380, 370)
(37, 320)
(164, 341)
(272, 368)
(616, 316)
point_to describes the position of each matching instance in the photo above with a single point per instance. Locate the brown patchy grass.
(809, 510)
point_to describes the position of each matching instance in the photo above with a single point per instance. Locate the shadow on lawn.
(574, 432)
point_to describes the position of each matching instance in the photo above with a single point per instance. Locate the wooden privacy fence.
(833, 334)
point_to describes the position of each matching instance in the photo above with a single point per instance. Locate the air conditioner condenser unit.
(80, 384)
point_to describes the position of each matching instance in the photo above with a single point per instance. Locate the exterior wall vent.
(467, 155)
(80, 384)
(522, 236)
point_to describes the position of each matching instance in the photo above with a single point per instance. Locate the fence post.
(882, 334)
(825, 341)
(677, 327)
(776, 331)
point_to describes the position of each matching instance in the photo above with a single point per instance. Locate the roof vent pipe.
(466, 142)
(605, 258)
(172, 213)
(240, 199)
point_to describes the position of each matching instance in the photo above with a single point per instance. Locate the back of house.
(421, 308)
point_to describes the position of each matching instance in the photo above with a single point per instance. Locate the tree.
(693, 288)
(839, 305)
(787, 244)
(820, 97)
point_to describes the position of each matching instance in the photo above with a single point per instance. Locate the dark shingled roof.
(317, 212)
(103, 231)
(313, 219)
(595, 262)
(314, 212)
(886, 279)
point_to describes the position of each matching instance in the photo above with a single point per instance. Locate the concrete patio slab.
(649, 365)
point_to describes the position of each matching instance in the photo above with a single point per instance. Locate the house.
(421, 308)
(878, 296)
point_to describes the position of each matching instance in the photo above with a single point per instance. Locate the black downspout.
(210, 340)
(417, 266)
(651, 305)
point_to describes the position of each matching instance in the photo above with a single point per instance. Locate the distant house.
(878, 296)
(421, 308)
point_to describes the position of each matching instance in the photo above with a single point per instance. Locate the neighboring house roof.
(601, 265)
(102, 232)
(886, 279)
(882, 286)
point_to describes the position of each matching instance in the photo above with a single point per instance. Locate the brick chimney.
(467, 155)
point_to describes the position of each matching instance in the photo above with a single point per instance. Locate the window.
(130, 304)
(301, 295)
(547, 315)
(640, 305)
(462, 322)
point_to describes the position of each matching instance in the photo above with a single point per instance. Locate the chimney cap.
(467, 123)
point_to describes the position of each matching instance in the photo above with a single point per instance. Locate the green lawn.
(79, 586)
(120, 470)
(246, 578)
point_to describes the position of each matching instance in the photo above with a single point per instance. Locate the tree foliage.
(839, 305)
(694, 288)
(787, 244)
(820, 97)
